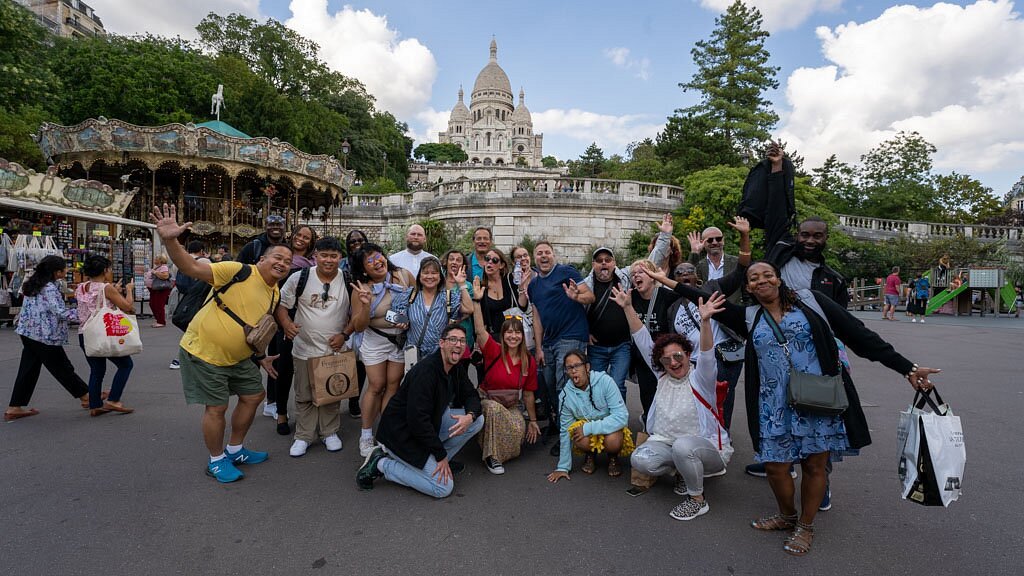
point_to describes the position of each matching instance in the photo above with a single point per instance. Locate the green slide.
(1009, 295)
(936, 302)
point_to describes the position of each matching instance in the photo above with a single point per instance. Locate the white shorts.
(376, 349)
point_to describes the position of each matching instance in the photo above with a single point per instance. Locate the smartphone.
(396, 317)
(635, 491)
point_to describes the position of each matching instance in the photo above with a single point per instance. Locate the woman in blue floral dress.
(43, 328)
(810, 324)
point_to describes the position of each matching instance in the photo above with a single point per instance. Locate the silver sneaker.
(366, 446)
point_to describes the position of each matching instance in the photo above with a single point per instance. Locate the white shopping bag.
(932, 452)
(110, 333)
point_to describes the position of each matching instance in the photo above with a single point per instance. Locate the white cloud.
(432, 121)
(780, 14)
(621, 58)
(358, 43)
(608, 131)
(178, 18)
(955, 74)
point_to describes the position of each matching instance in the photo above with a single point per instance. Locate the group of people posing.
(545, 344)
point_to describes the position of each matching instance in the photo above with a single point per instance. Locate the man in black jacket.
(435, 412)
(274, 234)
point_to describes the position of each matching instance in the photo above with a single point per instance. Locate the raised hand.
(714, 305)
(478, 289)
(460, 276)
(696, 244)
(622, 297)
(740, 224)
(657, 275)
(362, 292)
(572, 290)
(166, 221)
(666, 223)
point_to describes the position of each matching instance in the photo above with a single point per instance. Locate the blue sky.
(852, 73)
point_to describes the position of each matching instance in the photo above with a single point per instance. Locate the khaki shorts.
(211, 385)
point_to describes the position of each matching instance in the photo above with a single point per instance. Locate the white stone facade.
(493, 131)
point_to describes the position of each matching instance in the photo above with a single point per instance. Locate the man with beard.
(216, 361)
(274, 235)
(435, 412)
(410, 258)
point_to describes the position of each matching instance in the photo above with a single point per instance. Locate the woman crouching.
(593, 415)
(686, 431)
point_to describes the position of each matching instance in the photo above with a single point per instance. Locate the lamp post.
(345, 149)
(384, 166)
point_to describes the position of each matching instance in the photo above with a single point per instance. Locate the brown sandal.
(799, 542)
(614, 470)
(588, 463)
(774, 522)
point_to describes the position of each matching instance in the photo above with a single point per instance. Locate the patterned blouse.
(44, 317)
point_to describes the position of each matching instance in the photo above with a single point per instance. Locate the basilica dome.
(492, 77)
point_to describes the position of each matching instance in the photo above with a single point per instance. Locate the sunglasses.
(374, 258)
(492, 259)
(516, 316)
(675, 357)
(327, 293)
(713, 239)
(275, 220)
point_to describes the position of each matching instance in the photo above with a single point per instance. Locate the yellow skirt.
(597, 440)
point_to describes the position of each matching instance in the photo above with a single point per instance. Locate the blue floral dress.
(788, 435)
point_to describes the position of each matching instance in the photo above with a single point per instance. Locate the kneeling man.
(434, 413)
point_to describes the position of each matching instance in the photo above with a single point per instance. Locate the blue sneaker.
(246, 456)
(224, 471)
(826, 502)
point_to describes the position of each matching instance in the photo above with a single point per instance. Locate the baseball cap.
(602, 249)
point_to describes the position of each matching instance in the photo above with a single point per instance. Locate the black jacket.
(251, 252)
(824, 279)
(844, 326)
(411, 423)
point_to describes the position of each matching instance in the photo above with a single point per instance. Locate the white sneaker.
(333, 443)
(270, 410)
(913, 319)
(366, 446)
(922, 320)
(298, 448)
(175, 365)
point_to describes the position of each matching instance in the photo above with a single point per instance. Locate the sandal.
(799, 542)
(12, 416)
(774, 522)
(85, 399)
(588, 463)
(614, 470)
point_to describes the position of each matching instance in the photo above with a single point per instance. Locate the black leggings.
(35, 355)
(279, 388)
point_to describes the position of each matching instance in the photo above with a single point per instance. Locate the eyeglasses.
(455, 340)
(492, 259)
(374, 258)
(574, 367)
(713, 239)
(674, 357)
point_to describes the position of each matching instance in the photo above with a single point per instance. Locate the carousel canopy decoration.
(48, 189)
(212, 143)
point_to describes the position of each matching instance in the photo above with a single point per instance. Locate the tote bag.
(932, 452)
(110, 333)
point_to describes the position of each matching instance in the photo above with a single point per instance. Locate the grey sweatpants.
(692, 456)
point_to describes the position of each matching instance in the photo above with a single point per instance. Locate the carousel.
(221, 179)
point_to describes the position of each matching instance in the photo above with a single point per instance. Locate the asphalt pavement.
(127, 494)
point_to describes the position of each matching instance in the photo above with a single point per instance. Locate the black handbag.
(817, 394)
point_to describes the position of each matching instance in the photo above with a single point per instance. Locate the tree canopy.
(442, 153)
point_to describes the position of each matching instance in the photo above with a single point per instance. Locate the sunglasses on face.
(675, 357)
(713, 239)
(492, 259)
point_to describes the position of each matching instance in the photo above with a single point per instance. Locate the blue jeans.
(729, 372)
(422, 479)
(98, 370)
(554, 370)
(614, 361)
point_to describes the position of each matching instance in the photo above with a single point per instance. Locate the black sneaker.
(680, 485)
(354, 411)
(283, 428)
(368, 472)
(757, 469)
(493, 466)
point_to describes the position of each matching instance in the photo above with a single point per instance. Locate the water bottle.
(517, 273)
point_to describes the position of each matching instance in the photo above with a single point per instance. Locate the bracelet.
(742, 253)
(913, 371)
(258, 357)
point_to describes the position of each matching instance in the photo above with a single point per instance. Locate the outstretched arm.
(167, 227)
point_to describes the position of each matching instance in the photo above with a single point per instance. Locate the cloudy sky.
(853, 73)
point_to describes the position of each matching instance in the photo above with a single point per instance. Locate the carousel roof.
(200, 146)
(224, 128)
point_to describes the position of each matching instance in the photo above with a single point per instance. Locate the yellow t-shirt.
(213, 336)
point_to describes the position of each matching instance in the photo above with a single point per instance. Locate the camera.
(396, 317)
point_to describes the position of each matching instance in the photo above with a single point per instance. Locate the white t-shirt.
(318, 319)
(797, 273)
(408, 260)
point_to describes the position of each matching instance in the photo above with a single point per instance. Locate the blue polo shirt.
(562, 318)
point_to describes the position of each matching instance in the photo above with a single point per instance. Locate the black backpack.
(198, 295)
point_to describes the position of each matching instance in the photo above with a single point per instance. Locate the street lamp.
(345, 149)
(384, 165)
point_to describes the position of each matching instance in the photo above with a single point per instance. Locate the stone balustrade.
(868, 228)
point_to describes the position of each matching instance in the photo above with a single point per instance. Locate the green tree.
(549, 162)
(690, 143)
(590, 163)
(442, 153)
(837, 179)
(896, 179)
(25, 76)
(965, 200)
(731, 78)
(16, 144)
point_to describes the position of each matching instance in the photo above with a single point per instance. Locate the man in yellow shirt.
(216, 361)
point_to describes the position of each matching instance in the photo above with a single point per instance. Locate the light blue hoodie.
(601, 404)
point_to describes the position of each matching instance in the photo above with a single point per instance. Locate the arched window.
(488, 143)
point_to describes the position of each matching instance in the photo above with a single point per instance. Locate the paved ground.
(127, 494)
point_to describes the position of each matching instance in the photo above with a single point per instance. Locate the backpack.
(303, 280)
(198, 296)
